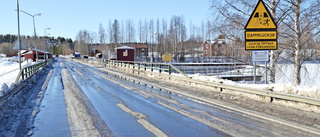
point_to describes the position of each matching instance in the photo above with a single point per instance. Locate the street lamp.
(154, 41)
(45, 31)
(45, 34)
(34, 24)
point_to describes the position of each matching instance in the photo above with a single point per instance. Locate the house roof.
(125, 47)
(39, 52)
(218, 41)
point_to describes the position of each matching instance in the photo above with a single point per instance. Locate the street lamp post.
(34, 27)
(34, 24)
(19, 40)
(154, 41)
(45, 34)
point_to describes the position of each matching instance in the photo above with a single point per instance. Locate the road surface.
(80, 100)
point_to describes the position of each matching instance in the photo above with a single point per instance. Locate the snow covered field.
(310, 74)
(8, 74)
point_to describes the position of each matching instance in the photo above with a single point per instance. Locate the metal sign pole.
(266, 73)
(254, 73)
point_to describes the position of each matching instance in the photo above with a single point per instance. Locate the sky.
(66, 18)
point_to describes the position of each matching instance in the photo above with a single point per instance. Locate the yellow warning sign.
(260, 18)
(166, 57)
(261, 45)
(261, 35)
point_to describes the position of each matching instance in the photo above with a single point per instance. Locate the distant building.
(221, 47)
(42, 55)
(214, 47)
(140, 52)
(125, 53)
(141, 49)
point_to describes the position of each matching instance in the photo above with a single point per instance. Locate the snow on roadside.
(7, 79)
(307, 91)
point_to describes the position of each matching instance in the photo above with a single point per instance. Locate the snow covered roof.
(3, 55)
(125, 47)
(218, 41)
(39, 51)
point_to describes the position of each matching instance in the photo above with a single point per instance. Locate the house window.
(125, 53)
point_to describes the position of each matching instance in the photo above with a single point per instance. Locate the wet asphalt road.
(174, 116)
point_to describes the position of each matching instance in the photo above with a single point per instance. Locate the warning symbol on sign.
(260, 18)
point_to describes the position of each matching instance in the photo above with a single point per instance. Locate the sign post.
(260, 56)
(261, 34)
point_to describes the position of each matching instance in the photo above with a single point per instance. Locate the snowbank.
(307, 91)
(8, 74)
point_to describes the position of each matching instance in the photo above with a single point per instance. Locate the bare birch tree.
(237, 12)
(83, 41)
(140, 31)
(304, 22)
(102, 34)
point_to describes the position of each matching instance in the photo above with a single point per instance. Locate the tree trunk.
(272, 67)
(297, 60)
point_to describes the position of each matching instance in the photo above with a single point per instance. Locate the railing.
(220, 86)
(153, 67)
(30, 70)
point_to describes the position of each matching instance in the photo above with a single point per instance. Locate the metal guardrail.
(30, 70)
(160, 67)
(186, 79)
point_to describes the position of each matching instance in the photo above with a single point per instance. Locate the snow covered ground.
(310, 83)
(8, 74)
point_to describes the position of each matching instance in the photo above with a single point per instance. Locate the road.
(82, 101)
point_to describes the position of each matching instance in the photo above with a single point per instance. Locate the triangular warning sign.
(261, 18)
(16, 46)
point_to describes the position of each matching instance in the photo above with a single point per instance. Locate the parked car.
(85, 56)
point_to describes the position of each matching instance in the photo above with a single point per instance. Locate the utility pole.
(19, 40)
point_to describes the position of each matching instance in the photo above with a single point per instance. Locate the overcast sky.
(67, 17)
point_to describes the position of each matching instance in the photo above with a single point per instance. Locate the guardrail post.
(151, 66)
(29, 71)
(160, 68)
(145, 66)
(22, 74)
(169, 69)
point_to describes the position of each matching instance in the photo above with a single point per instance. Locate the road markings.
(145, 95)
(142, 120)
(79, 72)
(99, 88)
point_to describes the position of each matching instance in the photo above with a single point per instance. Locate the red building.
(125, 53)
(32, 54)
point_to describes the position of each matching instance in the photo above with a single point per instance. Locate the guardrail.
(30, 70)
(220, 86)
(153, 67)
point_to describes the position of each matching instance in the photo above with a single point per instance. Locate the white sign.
(260, 55)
